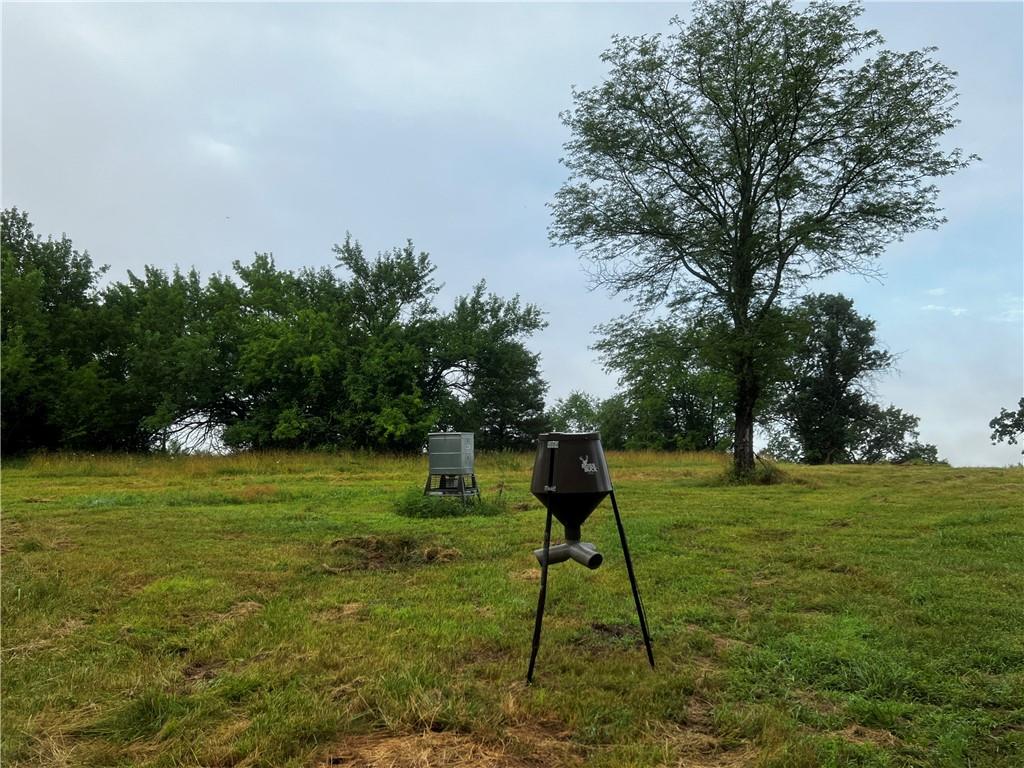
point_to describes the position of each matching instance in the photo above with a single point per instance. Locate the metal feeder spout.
(583, 552)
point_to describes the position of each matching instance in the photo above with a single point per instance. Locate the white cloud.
(220, 152)
(936, 291)
(954, 311)
(1009, 309)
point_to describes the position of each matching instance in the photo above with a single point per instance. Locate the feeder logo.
(589, 467)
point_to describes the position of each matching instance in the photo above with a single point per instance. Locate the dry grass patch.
(66, 627)
(338, 612)
(221, 746)
(256, 493)
(384, 553)
(695, 745)
(529, 574)
(859, 734)
(522, 747)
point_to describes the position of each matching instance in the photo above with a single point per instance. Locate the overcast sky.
(195, 135)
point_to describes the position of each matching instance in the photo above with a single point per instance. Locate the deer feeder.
(570, 478)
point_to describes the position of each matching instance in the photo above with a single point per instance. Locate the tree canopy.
(719, 168)
(673, 395)
(1008, 425)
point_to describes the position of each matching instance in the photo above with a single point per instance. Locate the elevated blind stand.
(570, 478)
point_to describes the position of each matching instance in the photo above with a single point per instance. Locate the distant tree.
(833, 359)
(675, 399)
(614, 421)
(162, 351)
(493, 382)
(580, 412)
(824, 414)
(878, 435)
(324, 361)
(387, 347)
(1008, 425)
(577, 412)
(720, 168)
(889, 434)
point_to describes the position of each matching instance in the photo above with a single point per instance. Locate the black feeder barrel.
(570, 477)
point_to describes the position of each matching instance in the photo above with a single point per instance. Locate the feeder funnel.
(570, 477)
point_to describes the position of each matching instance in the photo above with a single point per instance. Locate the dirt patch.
(384, 553)
(201, 671)
(522, 747)
(603, 636)
(530, 574)
(859, 734)
(523, 506)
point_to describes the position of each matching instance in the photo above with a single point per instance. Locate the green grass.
(269, 610)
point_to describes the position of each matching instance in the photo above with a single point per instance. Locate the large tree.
(719, 168)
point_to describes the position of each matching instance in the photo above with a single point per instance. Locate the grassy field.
(275, 610)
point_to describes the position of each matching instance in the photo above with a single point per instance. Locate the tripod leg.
(632, 582)
(540, 600)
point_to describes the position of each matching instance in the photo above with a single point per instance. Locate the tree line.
(356, 357)
(360, 357)
(816, 407)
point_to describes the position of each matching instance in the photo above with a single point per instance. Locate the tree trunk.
(747, 391)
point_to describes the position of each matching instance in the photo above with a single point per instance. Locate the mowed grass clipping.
(276, 610)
